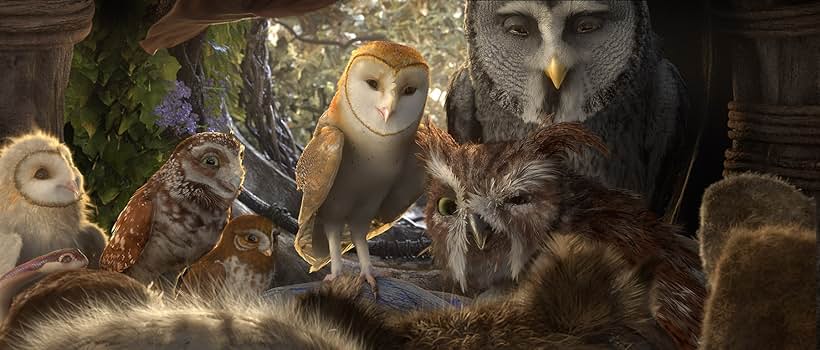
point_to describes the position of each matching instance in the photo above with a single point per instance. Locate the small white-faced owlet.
(177, 216)
(489, 206)
(244, 259)
(44, 206)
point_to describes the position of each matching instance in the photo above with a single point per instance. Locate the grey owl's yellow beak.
(556, 71)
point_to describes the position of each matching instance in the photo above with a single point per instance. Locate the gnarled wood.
(36, 46)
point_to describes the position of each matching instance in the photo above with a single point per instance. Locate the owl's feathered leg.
(334, 243)
(358, 233)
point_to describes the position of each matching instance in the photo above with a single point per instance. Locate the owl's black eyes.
(65, 258)
(373, 83)
(210, 161)
(447, 206)
(409, 90)
(587, 24)
(41, 174)
(252, 239)
(516, 25)
(519, 199)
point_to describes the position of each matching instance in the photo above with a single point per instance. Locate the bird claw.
(372, 282)
(330, 277)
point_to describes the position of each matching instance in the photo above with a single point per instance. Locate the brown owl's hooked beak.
(268, 252)
(480, 229)
(556, 71)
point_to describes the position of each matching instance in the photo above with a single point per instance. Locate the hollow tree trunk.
(774, 119)
(36, 46)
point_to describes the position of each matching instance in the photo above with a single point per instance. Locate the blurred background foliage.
(125, 110)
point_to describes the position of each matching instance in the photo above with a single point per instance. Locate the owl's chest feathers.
(238, 273)
(42, 229)
(183, 231)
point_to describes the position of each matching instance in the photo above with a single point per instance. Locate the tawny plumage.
(359, 174)
(44, 203)
(176, 217)
(580, 295)
(486, 217)
(244, 258)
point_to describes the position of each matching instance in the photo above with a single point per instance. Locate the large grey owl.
(597, 62)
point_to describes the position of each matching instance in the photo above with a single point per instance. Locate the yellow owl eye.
(409, 90)
(447, 206)
(210, 161)
(587, 24)
(41, 174)
(373, 83)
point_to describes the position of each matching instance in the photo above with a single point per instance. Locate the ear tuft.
(562, 138)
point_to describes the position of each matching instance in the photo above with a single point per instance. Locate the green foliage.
(222, 58)
(305, 73)
(113, 89)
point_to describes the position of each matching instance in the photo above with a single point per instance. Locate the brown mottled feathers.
(581, 295)
(68, 291)
(130, 233)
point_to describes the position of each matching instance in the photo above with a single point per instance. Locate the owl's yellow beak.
(556, 72)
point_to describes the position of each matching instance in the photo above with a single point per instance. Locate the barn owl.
(24, 274)
(485, 217)
(533, 63)
(359, 172)
(244, 258)
(45, 207)
(176, 217)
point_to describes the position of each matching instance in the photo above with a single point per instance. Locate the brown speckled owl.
(244, 258)
(177, 216)
(490, 204)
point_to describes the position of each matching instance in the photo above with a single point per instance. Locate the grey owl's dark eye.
(516, 25)
(447, 206)
(41, 174)
(373, 83)
(210, 161)
(587, 24)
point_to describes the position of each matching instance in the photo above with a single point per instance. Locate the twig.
(342, 44)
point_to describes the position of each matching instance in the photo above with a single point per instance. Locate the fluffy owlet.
(533, 63)
(44, 204)
(176, 217)
(243, 258)
(486, 217)
(359, 172)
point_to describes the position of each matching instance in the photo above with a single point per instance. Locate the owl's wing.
(202, 274)
(130, 233)
(12, 244)
(671, 140)
(91, 242)
(403, 194)
(315, 173)
(460, 107)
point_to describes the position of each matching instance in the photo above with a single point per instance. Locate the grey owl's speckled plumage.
(618, 85)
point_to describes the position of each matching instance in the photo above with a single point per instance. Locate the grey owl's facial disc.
(47, 179)
(514, 42)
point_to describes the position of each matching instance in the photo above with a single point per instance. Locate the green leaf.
(108, 194)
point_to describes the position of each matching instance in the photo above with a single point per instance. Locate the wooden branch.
(342, 44)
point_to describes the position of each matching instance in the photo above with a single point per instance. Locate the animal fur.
(582, 295)
(759, 248)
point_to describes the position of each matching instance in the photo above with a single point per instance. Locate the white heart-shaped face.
(385, 99)
(48, 178)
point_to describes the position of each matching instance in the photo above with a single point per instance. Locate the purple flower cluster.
(175, 111)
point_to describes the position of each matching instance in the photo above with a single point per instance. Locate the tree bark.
(36, 47)
(774, 119)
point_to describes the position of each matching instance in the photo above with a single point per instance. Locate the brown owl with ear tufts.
(490, 204)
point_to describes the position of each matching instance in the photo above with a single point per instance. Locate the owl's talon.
(372, 282)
